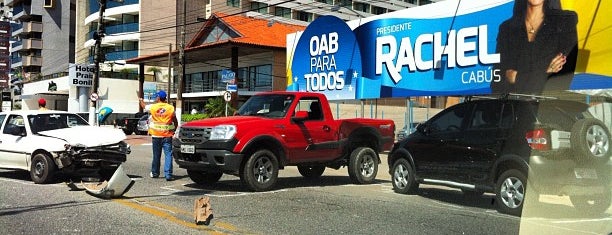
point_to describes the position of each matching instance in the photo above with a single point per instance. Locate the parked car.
(142, 128)
(493, 145)
(44, 142)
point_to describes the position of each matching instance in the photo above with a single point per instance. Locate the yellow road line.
(167, 215)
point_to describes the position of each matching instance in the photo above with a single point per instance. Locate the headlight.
(223, 132)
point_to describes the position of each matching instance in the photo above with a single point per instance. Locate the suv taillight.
(537, 139)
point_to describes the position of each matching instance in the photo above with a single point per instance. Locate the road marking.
(580, 220)
(246, 193)
(32, 183)
(169, 213)
(170, 190)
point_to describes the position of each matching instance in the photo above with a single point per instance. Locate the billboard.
(447, 48)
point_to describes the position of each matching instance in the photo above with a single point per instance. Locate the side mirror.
(300, 116)
(423, 128)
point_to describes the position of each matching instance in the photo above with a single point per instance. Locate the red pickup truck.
(277, 129)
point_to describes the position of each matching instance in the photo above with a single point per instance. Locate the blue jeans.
(160, 144)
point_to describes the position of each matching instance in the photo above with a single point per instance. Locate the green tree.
(215, 107)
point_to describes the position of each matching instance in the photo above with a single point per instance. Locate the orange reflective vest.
(160, 121)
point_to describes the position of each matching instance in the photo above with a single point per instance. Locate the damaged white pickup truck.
(46, 142)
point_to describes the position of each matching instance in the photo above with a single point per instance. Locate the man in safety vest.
(162, 124)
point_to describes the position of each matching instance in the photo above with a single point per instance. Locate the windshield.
(274, 106)
(54, 121)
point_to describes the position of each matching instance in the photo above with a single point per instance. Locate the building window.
(363, 7)
(304, 16)
(282, 12)
(233, 3)
(418, 2)
(346, 3)
(259, 7)
(378, 10)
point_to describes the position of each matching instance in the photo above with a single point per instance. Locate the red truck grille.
(194, 135)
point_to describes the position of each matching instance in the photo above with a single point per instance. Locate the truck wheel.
(260, 171)
(403, 177)
(42, 169)
(204, 178)
(591, 141)
(510, 192)
(311, 172)
(363, 165)
(591, 204)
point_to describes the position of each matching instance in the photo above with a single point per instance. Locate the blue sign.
(445, 48)
(228, 76)
(232, 87)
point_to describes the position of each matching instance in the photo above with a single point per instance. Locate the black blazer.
(557, 34)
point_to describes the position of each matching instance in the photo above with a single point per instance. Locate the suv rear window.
(562, 114)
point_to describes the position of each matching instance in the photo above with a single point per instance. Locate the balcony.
(117, 29)
(21, 11)
(32, 44)
(118, 55)
(27, 44)
(31, 61)
(28, 27)
(94, 5)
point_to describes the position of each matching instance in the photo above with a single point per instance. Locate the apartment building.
(43, 45)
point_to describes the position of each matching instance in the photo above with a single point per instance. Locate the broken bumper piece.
(118, 185)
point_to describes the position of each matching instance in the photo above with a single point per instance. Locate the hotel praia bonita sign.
(81, 75)
(445, 48)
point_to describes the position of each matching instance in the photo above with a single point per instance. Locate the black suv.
(492, 145)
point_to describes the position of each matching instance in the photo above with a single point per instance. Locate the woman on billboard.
(538, 48)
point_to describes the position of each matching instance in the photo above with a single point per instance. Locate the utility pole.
(181, 73)
(169, 71)
(98, 57)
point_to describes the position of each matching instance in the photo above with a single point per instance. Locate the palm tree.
(155, 71)
(215, 107)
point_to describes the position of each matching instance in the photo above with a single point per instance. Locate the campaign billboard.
(451, 47)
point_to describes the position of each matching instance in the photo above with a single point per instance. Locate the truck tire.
(592, 204)
(204, 178)
(510, 192)
(311, 172)
(363, 165)
(591, 141)
(260, 172)
(42, 169)
(403, 178)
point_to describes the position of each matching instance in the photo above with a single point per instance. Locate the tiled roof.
(253, 31)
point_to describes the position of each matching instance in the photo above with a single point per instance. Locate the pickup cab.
(273, 130)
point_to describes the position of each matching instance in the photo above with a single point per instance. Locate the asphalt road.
(329, 205)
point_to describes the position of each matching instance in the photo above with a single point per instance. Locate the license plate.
(584, 173)
(187, 148)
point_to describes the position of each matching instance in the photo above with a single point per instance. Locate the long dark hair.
(520, 7)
